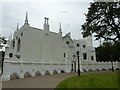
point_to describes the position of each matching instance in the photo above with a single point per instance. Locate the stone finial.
(17, 26)
(60, 29)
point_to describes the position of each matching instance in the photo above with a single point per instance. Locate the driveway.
(46, 81)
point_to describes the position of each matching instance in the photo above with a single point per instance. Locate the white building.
(33, 51)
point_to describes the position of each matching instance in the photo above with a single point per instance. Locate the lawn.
(99, 80)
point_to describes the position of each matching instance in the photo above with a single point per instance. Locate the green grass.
(99, 80)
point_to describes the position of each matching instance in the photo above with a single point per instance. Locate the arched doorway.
(73, 66)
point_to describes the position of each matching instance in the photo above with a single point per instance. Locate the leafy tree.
(116, 51)
(103, 52)
(109, 51)
(103, 19)
(3, 41)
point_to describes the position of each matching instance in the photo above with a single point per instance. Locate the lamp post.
(3, 55)
(78, 63)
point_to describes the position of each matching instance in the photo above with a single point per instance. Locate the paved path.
(46, 81)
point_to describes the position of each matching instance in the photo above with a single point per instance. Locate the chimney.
(46, 24)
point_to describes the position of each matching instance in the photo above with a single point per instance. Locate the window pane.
(18, 45)
(85, 56)
(13, 43)
(84, 46)
(67, 42)
(78, 45)
(64, 55)
(92, 58)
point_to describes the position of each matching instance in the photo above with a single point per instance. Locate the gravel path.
(46, 81)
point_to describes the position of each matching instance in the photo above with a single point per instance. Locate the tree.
(103, 19)
(3, 41)
(104, 52)
(116, 51)
(109, 51)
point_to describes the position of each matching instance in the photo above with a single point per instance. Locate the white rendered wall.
(21, 67)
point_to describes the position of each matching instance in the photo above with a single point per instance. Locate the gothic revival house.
(33, 50)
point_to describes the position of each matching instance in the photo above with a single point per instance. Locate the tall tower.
(46, 24)
(60, 30)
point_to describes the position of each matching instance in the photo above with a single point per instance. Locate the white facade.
(35, 50)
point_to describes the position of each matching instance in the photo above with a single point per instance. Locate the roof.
(68, 37)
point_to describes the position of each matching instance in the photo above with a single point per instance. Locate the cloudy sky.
(69, 12)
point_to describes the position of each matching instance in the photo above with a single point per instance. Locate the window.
(10, 55)
(67, 42)
(92, 58)
(13, 43)
(16, 37)
(85, 56)
(78, 45)
(84, 46)
(64, 54)
(21, 34)
(74, 56)
(18, 45)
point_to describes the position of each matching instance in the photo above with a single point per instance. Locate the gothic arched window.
(18, 45)
(13, 43)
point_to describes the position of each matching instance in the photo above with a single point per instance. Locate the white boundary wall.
(88, 66)
(20, 68)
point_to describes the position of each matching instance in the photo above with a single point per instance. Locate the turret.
(26, 19)
(60, 30)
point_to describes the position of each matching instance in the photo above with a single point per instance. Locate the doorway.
(73, 66)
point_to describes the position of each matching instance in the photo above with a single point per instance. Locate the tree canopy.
(109, 51)
(3, 41)
(103, 19)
